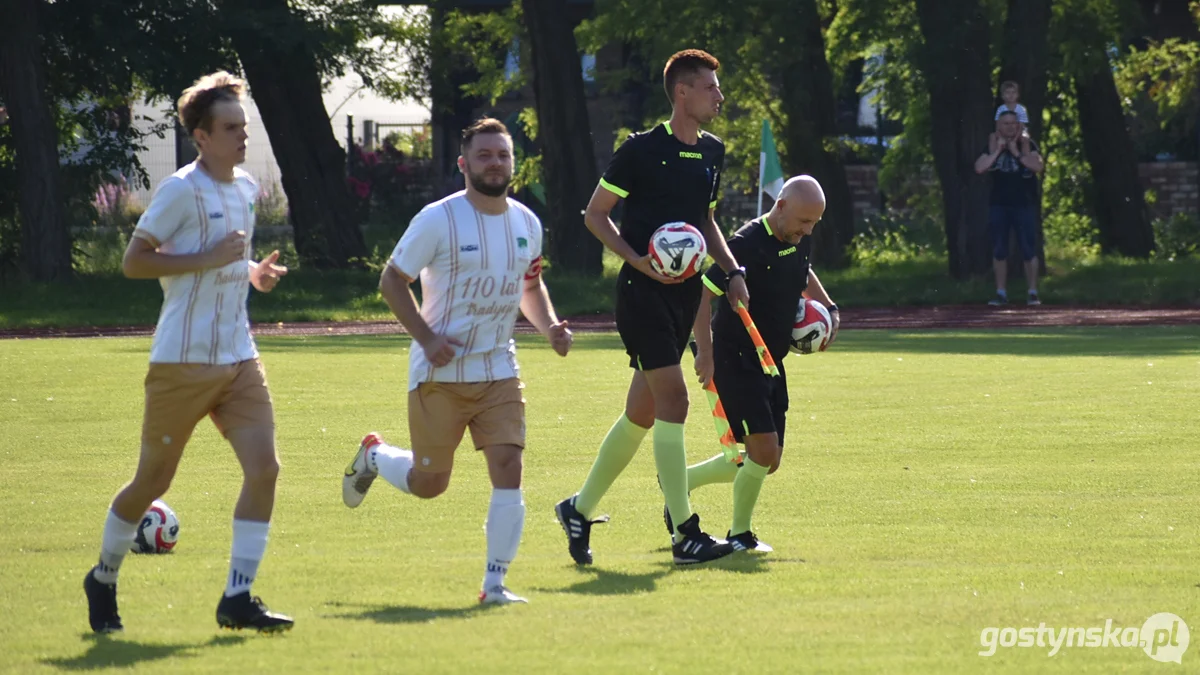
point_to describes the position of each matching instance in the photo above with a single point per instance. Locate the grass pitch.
(933, 485)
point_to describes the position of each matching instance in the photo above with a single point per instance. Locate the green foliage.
(96, 252)
(1070, 236)
(485, 40)
(1160, 86)
(747, 57)
(270, 205)
(880, 34)
(1067, 178)
(1177, 236)
(417, 143)
(892, 238)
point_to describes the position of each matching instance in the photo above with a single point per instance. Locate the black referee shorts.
(754, 402)
(655, 320)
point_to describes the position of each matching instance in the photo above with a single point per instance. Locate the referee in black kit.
(670, 173)
(775, 249)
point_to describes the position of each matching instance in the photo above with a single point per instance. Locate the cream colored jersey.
(203, 317)
(472, 268)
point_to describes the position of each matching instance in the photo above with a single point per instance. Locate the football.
(159, 530)
(812, 329)
(677, 250)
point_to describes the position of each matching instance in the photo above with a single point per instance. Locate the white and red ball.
(159, 530)
(677, 250)
(812, 329)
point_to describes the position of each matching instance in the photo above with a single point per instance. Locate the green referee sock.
(619, 446)
(715, 470)
(671, 460)
(746, 487)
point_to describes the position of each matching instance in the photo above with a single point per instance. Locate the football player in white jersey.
(195, 239)
(478, 255)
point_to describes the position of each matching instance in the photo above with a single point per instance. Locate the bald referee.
(775, 251)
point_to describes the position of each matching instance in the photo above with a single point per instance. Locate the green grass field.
(933, 484)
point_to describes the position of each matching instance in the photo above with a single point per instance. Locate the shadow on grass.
(402, 613)
(604, 582)
(113, 652)
(739, 562)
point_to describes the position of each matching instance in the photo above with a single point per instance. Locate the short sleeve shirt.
(472, 268)
(776, 277)
(203, 317)
(664, 180)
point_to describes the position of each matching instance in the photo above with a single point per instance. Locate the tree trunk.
(955, 62)
(1166, 19)
(1117, 197)
(1024, 61)
(1024, 56)
(451, 110)
(286, 85)
(568, 158)
(45, 242)
(808, 101)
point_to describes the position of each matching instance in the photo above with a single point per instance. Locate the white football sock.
(114, 544)
(249, 547)
(394, 464)
(506, 521)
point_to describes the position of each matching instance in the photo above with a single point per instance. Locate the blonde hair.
(195, 106)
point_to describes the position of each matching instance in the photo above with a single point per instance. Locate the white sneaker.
(499, 595)
(358, 477)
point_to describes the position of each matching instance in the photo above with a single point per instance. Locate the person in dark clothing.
(1014, 163)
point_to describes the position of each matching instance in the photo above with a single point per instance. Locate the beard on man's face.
(480, 181)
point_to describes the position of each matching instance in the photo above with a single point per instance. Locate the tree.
(955, 62)
(1024, 56)
(1024, 60)
(568, 156)
(1117, 199)
(809, 107)
(286, 84)
(773, 67)
(45, 241)
(1117, 195)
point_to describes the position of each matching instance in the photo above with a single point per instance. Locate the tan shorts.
(179, 395)
(439, 413)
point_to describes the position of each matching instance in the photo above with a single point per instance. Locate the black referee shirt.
(776, 276)
(664, 180)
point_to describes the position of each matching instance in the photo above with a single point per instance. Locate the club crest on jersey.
(522, 242)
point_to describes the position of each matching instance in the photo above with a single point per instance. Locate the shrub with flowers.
(115, 207)
(386, 179)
